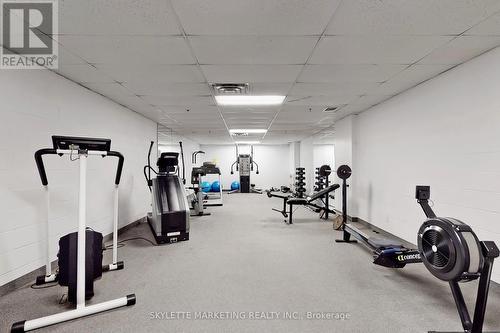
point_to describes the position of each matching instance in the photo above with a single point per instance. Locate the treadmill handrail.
(119, 167)
(39, 163)
(51, 151)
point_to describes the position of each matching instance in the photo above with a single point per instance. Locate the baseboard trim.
(29, 278)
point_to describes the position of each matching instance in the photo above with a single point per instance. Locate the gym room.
(250, 166)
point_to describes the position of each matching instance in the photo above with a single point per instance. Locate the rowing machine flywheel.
(450, 249)
(344, 171)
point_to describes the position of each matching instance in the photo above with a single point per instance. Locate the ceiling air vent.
(230, 88)
(333, 109)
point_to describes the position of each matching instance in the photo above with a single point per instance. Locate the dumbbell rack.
(300, 182)
(320, 181)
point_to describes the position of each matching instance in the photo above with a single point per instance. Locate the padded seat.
(297, 201)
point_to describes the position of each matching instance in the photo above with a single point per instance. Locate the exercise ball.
(206, 186)
(216, 186)
(235, 185)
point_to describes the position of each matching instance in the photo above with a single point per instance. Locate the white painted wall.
(35, 105)
(444, 133)
(323, 154)
(272, 160)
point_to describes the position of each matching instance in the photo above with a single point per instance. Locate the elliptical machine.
(169, 218)
(80, 253)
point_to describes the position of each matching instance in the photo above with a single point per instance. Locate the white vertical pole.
(82, 205)
(115, 227)
(48, 268)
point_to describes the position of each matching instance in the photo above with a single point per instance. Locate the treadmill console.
(80, 143)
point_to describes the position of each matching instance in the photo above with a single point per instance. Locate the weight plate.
(325, 170)
(344, 172)
(338, 222)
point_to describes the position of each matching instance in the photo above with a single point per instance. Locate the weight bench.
(284, 197)
(310, 202)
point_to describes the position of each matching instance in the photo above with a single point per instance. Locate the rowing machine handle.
(39, 163)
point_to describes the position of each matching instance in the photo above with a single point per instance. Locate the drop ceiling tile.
(291, 127)
(83, 74)
(195, 109)
(178, 100)
(257, 17)
(378, 50)
(108, 89)
(253, 50)
(409, 17)
(148, 112)
(208, 129)
(335, 88)
(371, 99)
(261, 88)
(348, 73)
(392, 87)
(194, 116)
(133, 102)
(194, 123)
(314, 109)
(168, 89)
(129, 50)
(319, 100)
(153, 74)
(117, 17)
(488, 27)
(461, 49)
(303, 119)
(408, 78)
(251, 73)
(420, 72)
(68, 58)
(353, 109)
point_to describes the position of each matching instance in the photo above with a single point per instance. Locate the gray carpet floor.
(244, 259)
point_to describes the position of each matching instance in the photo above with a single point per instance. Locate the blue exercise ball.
(206, 186)
(216, 186)
(235, 185)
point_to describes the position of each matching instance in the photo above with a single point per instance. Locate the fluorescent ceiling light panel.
(247, 142)
(248, 130)
(249, 99)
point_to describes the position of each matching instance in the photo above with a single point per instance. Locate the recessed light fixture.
(241, 100)
(247, 142)
(248, 131)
